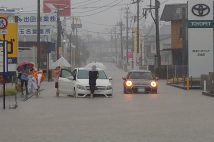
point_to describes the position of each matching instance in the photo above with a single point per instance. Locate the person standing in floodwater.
(93, 75)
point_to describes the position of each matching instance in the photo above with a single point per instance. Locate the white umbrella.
(62, 62)
(97, 64)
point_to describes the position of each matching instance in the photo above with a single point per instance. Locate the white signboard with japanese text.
(200, 37)
(31, 19)
(32, 30)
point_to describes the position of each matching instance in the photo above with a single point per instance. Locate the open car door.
(66, 82)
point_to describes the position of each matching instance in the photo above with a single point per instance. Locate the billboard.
(64, 7)
(200, 37)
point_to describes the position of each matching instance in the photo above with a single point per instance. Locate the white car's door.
(66, 82)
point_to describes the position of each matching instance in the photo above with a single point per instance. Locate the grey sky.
(100, 16)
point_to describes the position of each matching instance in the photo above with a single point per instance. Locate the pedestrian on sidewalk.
(40, 77)
(32, 81)
(24, 78)
(56, 78)
(93, 75)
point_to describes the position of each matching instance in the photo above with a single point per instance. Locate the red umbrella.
(23, 64)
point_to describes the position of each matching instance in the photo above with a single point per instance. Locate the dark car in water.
(140, 81)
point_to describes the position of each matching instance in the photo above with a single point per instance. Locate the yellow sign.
(12, 35)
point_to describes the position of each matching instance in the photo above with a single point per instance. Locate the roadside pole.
(4, 71)
(3, 30)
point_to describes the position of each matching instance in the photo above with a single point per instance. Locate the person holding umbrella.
(93, 75)
(23, 69)
(56, 75)
(24, 78)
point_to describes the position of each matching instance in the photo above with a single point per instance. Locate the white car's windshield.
(83, 74)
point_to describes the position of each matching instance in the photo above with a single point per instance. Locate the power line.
(90, 7)
(85, 2)
(107, 25)
(105, 33)
(89, 3)
(100, 11)
(109, 4)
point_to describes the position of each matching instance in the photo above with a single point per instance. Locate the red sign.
(3, 22)
(130, 55)
(64, 7)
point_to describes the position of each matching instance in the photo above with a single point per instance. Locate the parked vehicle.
(76, 83)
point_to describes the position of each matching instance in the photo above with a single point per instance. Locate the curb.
(207, 94)
(184, 87)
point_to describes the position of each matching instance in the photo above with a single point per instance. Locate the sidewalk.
(11, 100)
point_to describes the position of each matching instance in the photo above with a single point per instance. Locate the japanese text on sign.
(33, 31)
(31, 19)
(201, 52)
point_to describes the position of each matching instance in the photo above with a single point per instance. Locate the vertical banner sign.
(200, 37)
(3, 62)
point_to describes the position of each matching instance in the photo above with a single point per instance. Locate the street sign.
(3, 31)
(3, 22)
(11, 37)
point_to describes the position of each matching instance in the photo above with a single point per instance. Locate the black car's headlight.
(81, 87)
(153, 84)
(128, 83)
(109, 87)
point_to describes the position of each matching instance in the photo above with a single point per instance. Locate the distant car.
(140, 81)
(76, 83)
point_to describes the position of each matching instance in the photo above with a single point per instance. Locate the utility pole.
(121, 42)
(77, 49)
(156, 21)
(138, 37)
(157, 6)
(38, 35)
(58, 33)
(127, 35)
(70, 51)
(115, 37)
(138, 12)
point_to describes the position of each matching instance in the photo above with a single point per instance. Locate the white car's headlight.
(109, 87)
(81, 87)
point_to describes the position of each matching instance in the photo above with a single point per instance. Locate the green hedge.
(9, 92)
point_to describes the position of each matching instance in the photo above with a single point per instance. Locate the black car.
(140, 81)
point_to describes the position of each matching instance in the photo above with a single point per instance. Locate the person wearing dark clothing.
(24, 79)
(93, 75)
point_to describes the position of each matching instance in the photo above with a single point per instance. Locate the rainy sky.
(96, 15)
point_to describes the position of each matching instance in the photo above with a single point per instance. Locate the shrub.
(9, 92)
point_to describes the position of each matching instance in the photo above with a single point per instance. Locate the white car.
(76, 83)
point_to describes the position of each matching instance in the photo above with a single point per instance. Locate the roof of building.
(173, 12)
